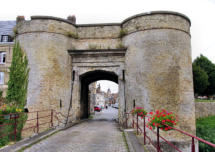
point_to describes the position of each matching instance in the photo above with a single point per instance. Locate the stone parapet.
(47, 24)
(157, 20)
(139, 22)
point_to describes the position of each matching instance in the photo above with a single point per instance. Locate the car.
(98, 109)
(116, 105)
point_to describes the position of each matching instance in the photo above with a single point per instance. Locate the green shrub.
(18, 77)
(205, 129)
(7, 114)
(1, 93)
(16, 98)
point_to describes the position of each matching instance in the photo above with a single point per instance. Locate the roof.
(6, 27)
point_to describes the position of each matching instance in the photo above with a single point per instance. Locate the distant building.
(6, 51)
(92, 96)
(100, 97)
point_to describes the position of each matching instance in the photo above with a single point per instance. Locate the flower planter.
(162, 119)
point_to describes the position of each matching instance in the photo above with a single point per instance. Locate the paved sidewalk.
(89, 136)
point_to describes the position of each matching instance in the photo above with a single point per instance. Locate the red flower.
(164, 110)
(151, 113)
(153, 124)
(163, 120)
(166, 128)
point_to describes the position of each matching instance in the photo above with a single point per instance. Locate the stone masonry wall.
(205, 109)
(8, 49)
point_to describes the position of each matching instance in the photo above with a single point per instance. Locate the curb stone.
(132, 141)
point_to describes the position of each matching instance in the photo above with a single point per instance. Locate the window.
(2, 57)
(6, 38)
(1, 77)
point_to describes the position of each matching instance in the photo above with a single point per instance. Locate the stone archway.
(88, 78)
(91, 65)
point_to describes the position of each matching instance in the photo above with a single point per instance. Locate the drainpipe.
(70, 103)
(123, 75)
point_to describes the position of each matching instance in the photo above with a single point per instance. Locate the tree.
(200, 80)
(205, 64)
(18, 77)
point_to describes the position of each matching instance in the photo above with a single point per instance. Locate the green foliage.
(209, 68)
(1, 93)
(122, 33)
(205, 129)
(18, 77)
(16, 97)
(72, 35)
(200, 79)
(203, 100)
(7, 119)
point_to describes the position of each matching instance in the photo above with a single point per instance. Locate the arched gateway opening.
(88, 78)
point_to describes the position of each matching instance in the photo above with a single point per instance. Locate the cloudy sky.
(200, 12)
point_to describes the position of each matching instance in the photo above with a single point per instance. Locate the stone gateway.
(148, 55)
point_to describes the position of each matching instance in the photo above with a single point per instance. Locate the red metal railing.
(142, 130)
(37, 119)
(9, 117)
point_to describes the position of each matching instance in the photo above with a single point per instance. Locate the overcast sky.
(200, 12)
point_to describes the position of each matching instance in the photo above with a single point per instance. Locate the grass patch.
(201, 100)
(205, 129)
(124, 139)
(91, 117)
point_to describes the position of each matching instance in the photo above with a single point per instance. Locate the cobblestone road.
(95, 135)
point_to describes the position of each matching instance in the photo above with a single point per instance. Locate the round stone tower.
(158, 66)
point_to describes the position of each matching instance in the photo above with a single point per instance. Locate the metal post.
(137, 125)
(37, 122)
(193, 145)
(15, 125)
(158, 142)
(126, 121)
(133, 115)
(51, 117)
(144, 128)
(132, 121)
